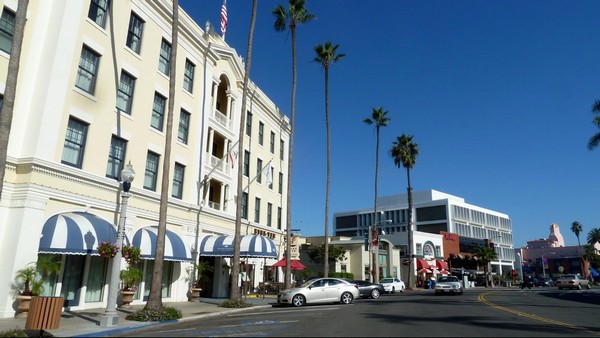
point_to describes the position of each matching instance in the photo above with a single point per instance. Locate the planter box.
(44, 313)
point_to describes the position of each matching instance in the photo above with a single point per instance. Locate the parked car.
(572, 282)
(545, 282)
(320, 290)
(368, 289)
(392, 285)
(448, 284)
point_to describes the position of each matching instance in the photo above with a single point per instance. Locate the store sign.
(268, 234)
(450, 237)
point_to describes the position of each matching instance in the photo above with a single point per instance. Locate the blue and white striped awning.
(75, 233)
(250, 246)
(175, 248)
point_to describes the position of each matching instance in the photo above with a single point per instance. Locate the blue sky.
(497, 95)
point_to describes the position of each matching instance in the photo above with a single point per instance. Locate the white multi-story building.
(434, 212)
(92, 96)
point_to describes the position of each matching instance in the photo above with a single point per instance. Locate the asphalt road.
(498, 312)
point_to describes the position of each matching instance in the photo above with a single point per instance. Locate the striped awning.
(250, 246)
(175, 248)
(75, 233)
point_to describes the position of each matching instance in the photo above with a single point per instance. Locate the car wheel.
(375, 294)
(588, 286)
(298, 300)
(578, 286)
(402, 289)
(393, 289)
(346, 298)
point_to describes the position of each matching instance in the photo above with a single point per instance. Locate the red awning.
(294, 264)
(422, 264)
(441, 264)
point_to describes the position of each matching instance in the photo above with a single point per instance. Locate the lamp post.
(543, 267)
(110, 316)
(520, 266)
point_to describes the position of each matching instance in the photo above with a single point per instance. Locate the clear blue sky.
(497, 95)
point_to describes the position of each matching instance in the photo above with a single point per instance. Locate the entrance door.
(72, 278)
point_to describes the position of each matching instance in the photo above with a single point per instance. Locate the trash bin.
(44, 313)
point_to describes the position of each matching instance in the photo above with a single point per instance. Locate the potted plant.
(29, 281)
(201, 268)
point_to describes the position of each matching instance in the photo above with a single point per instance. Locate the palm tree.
(379, 118)
(595, 140)
(326, 55)
(295, 15)
(593, 236)
(577, 228)
(155, 296)
(234, 290)
(10, 91)
(405, 152)
(485, 255)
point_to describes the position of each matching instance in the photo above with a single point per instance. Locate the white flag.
(269, 174)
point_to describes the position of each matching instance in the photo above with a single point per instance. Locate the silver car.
(320, 290)
(572, 282)
(448, 284)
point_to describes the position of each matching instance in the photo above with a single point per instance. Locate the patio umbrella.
(425, 271)
(294, 264)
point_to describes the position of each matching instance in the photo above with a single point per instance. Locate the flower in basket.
(132, 255)
(107, 249)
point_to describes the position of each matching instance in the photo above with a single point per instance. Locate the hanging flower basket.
(132, 255)
(107, 249)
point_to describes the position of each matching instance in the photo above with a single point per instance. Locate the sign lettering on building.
(265, 233)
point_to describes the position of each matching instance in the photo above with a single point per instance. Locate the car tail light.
(356, 286)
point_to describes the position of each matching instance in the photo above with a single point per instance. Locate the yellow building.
(93, 95)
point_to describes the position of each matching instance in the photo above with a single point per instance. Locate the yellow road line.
(482, 299)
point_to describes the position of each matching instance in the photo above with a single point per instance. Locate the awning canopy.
(422, 264)
(250, 246)
(175, 248)
(441, 264)
(75, 233)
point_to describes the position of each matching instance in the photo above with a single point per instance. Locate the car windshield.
(569, 276)
(447, 279)
(386, 280)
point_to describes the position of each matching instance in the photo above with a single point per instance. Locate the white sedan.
(320, 290)
(392, 285)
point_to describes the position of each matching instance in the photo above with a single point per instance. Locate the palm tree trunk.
(374, 232)
(234, 290)
(155, 296)
(410, 279)
(10, 91)
(327, 126)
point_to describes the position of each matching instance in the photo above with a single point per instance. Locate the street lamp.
(110, 316)
(520, 266)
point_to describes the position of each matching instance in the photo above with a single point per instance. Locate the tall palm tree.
(234, 290)
(155, 296)
(380, 119)
(404, 152)
(326, 55)
(595, 140)
(10, 91)
(577, 228)
(485, 255)
(296, 14)
(593, 236)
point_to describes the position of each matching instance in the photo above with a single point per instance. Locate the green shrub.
(155, 315)
(238, 303)
(347, 275)
(13, 333)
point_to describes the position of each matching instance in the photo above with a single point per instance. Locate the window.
(280, 184)
(164, 59)
(98, 11)
(244, 206)
(272, 143)
(269, 214)
(184, 126)
(87, 72)
(158, 111)
(257, 210)
(281, 149)
(74, 143)
(125, 93)
(116, 157)
(151, 173)
(134, 35)
(279, 218)
(259, 173)
(7, 30)
(246, 169)
(249, 124)
(188, 76)
(261, 132)
(178, 180)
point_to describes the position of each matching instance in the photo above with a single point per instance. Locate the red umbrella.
(294, 264)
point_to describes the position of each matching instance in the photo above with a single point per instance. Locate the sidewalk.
(86, 323)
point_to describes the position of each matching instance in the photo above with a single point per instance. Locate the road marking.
(481, 298)
(294, 310)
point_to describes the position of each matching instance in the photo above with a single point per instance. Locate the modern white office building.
(92, 96)
(433, 212)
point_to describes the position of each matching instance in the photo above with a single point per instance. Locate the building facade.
(435, 213)
(92, 96)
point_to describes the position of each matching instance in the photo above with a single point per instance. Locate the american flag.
(224, 18)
